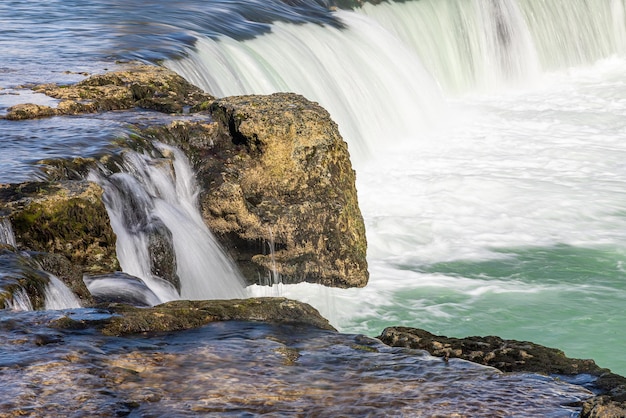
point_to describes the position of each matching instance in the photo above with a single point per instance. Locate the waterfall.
(466, 44)
(59, 296)
(495, 43)
(157, 194)
(372, 85)
(20, 301)
(6, 233)
(575, 32)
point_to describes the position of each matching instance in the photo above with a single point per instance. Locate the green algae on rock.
(67, 218)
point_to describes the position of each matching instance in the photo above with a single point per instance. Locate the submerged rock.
(183, 314)
(519, 356)
(118, 287)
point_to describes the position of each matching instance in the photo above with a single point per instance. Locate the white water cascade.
(161, 190)
(479, 44)
(59, 296)
(352, 72)
(19, 302)
(487, 45)
(6, 233)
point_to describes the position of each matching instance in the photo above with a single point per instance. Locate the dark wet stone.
(519, 356)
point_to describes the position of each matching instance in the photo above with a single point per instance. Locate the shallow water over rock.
(250, 369)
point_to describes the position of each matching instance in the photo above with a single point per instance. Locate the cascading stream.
(155, 198)
(59, 296)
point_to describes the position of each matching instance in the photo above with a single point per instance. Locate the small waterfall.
(272, 285)
(371, 84)
(59, 296)
(20, 301)
(6, 233)
(159, 193)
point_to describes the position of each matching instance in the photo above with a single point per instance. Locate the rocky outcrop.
(519, 356)
(278, 188)
(142, 86)
(182, 314)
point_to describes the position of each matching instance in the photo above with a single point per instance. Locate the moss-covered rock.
(183, 314)
(278, 186)
(67, 218)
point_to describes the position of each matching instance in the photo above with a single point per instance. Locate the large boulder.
(278, 188)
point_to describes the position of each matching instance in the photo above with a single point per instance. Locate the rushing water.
(487, 137)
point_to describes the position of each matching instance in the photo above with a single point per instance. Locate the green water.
(561, 296)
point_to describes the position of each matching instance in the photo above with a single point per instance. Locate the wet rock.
(162, 254)
(71, 274)
(182, 314)
(505, 355)
(603, 407)
(278, 188)
(66, 218)
(518, 356)
(29, 111)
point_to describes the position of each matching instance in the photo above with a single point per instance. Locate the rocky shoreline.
(272, 169)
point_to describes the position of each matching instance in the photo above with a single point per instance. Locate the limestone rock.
(278, 188)
(143, 86)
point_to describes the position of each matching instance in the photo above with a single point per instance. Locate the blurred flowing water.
(487, 138)
(242, 368)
